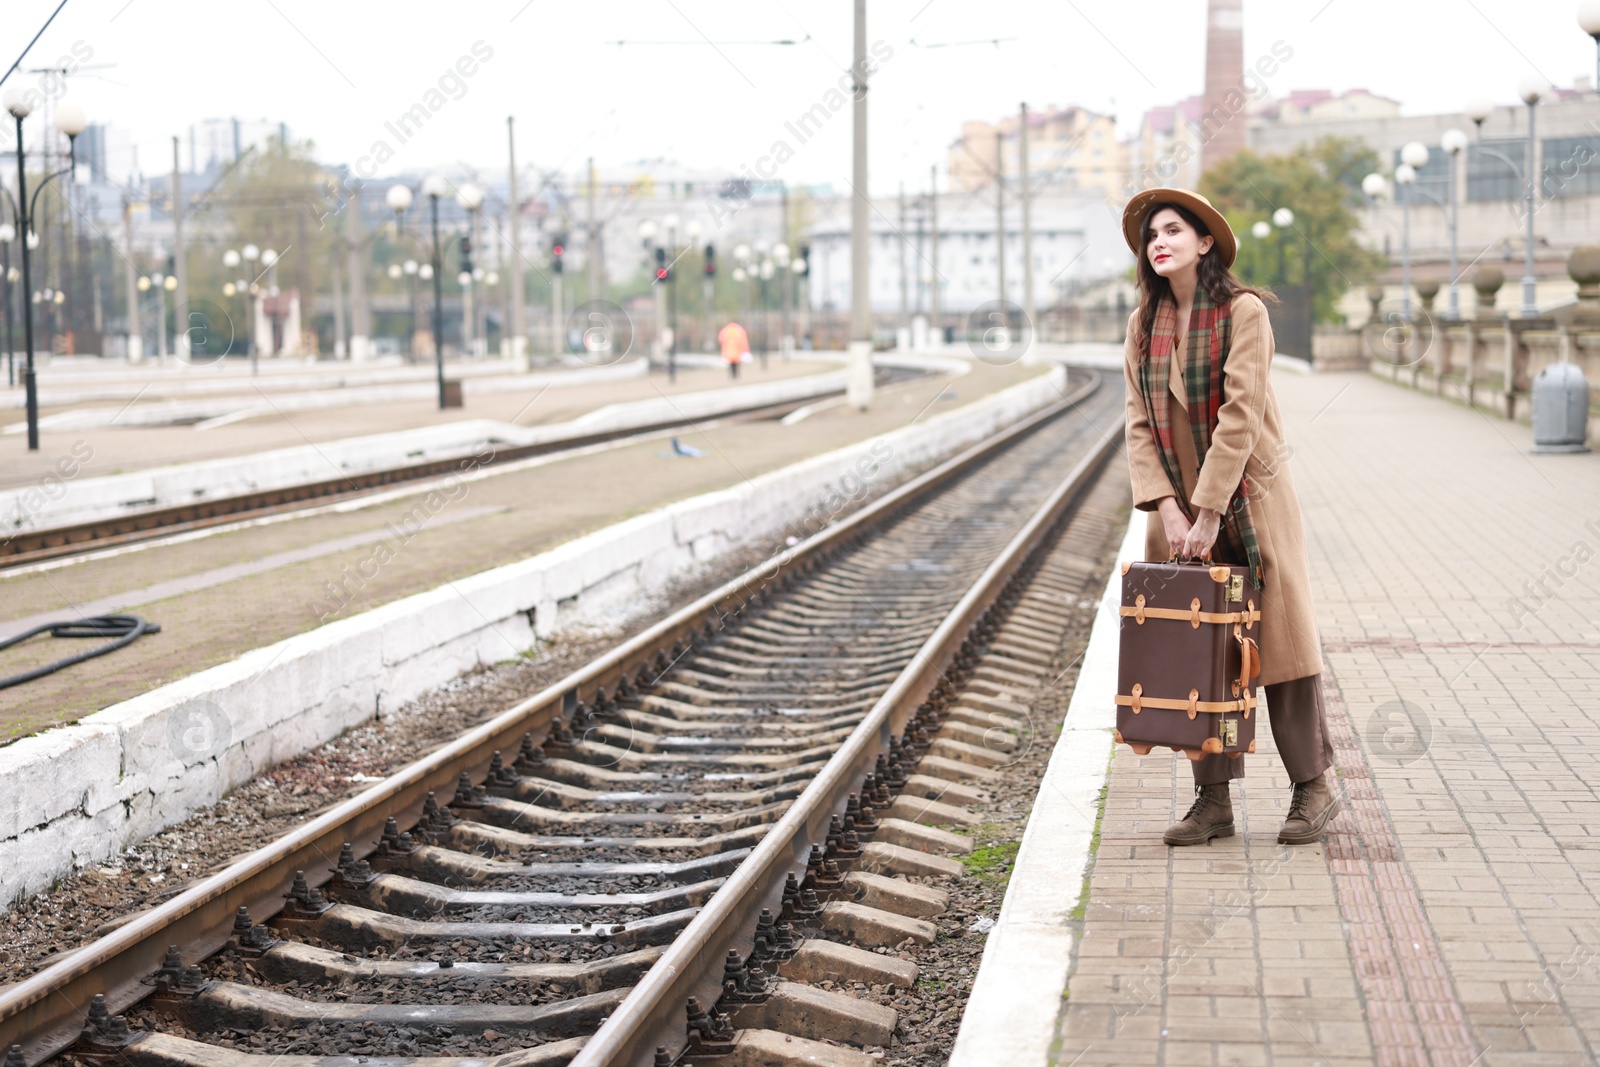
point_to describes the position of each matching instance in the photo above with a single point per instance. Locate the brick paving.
(215, 606)
(1451, 916)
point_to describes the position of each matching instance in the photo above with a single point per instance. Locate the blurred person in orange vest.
(735, 346)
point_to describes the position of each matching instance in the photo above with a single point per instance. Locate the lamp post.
(1589, 20)
(691, 237)
(647, 236)
(231, 260)
(671, 223)
(1478, 111)
(1530, 91)
(399, 198)
(1454, 142)
(8, 233)
(800, 267)
(470, 198)
(767, 271)
(780, 263)
(435, 186)
(410, 269)
(1405, 175)
(70, 121)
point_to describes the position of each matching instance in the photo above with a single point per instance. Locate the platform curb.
(1020, 988)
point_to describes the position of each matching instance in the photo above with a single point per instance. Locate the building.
(216, 143)
(1070, 149)
(1324, 105)
(1075, 238)
(1492, 224)
(1165, 150)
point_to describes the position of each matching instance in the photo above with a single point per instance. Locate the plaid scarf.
(1210, 333)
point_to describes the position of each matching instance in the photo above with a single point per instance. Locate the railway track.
(671, 853)
(38, 546)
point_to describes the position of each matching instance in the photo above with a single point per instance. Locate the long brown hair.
(1219, 281)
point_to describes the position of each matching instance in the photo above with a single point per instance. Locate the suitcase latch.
(1230, 732)
(1236, 588)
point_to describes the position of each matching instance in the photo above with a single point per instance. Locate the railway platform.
(133, 419)
(219, 595)
(1451, 915)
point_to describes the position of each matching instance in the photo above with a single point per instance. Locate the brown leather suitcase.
(1188, 663)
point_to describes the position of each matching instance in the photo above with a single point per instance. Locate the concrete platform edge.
(69, 500)
(80, 794)
(1017, 995)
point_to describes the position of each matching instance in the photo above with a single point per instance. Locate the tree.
(1321, 184)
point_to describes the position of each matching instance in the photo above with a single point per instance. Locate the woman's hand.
(1202, 535)
(1176, 524)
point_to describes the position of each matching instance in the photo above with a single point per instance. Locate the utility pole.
(933, 255)
(519, 333)
(340, 348)
(596, 282)
(131, 276)
(905, 292)
(786, 279)
(1027, 236)
(360, 319)
(469, 305)
(180, 269)
(1000, 224)
(858, 379)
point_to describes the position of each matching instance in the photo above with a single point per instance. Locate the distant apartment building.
(1074, 240)
(1489, 191)
(1070, 149)
(215, 143)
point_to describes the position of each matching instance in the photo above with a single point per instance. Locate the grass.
(992, 863)
(1081, 910)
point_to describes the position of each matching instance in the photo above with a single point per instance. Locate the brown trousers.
(1299, 727)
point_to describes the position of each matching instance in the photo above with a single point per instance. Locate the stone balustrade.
(1487, 361)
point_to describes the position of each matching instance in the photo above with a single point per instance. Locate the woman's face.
(1172, 245)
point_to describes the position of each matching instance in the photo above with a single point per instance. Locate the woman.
(1207, 454)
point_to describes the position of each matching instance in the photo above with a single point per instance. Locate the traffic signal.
(711, 261)
(663, 272)
(466, 254)
(558, 249)
(805, 256)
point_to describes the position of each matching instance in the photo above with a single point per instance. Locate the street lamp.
(1405, 175)
(411, 269)
(767, 271)
(1454, 142)
(1530, 91)
(671, 222)
(70, 120)
(8, 233)
(741, 273)
(435, 186)
(647, 237)
(398, 198)
(1589, 20)
(1261, 230)
(470, 199)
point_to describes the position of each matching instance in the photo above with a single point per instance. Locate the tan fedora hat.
(1137, 208)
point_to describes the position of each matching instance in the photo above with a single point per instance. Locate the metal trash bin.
(452, 393)
(1560, 409)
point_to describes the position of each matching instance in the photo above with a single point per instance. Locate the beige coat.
(1248, 441)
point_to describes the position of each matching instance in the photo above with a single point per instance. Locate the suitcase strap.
(1194, 705)
(1194, 616)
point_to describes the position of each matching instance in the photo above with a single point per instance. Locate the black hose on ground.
(125, 629)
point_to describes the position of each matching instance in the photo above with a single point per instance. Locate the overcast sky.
(337, 72)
